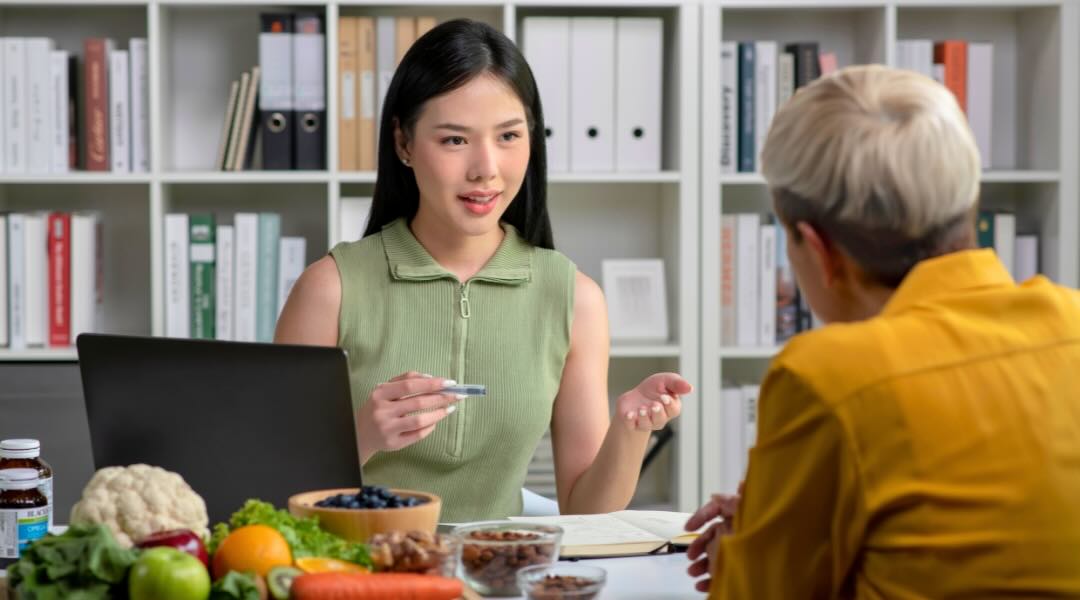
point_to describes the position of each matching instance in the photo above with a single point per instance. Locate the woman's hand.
(653, 403)
(401, 412)
(705, 546)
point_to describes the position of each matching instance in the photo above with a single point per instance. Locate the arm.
(801, 518)
(310, 315)
(597, 462)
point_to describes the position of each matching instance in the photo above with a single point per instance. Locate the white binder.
(385, 64)
(547, 48)
(592, 94)
(639, 54)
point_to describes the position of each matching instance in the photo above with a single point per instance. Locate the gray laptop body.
(236, 420)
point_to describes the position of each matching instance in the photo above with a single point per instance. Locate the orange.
(257, 548)
(312, 564)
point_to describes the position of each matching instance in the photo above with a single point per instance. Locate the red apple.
(184, 540)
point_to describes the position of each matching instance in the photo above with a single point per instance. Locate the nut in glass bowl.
(491, 553)
(561, 582)
(414, 552)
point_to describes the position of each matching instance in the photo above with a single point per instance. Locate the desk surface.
(659, 577)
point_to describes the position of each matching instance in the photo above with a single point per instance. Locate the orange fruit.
(313, 564)
(257, 548)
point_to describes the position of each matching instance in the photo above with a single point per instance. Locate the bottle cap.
(20, 448)
(18, 479)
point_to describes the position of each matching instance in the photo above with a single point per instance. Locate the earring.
(405, 162)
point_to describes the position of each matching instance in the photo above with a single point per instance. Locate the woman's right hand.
(401, 412)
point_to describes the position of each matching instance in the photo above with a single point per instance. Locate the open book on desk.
(623, 533)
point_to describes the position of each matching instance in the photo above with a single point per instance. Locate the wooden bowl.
(359, 524)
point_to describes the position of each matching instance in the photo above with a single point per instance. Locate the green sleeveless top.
(507, 328)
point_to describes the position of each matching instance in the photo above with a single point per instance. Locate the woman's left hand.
(653, 403)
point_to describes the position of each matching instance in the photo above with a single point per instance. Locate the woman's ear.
(401, 145)
(824, 255)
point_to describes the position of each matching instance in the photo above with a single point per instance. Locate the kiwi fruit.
(280, 579)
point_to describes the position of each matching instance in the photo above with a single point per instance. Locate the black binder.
(309, 92)
(276, 113)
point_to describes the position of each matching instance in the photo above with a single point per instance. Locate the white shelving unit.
(1035, 148)
(197, 47)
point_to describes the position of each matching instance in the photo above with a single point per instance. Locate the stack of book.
(51, 278)
(228, 282)
(755, 79)
(43, 123)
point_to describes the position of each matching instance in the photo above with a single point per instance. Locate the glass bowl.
(561, 581)
(491, 553)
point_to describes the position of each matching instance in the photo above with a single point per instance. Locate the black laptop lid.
(236, 420)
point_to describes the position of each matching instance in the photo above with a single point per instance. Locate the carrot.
(379, 586)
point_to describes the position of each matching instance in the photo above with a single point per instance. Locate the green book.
(202, 240)
(984, 229)
(266, 276)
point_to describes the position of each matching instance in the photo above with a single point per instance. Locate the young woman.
(456, 279)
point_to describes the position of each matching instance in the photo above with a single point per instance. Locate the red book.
(59, 279)
(953, 54)
(96, 63)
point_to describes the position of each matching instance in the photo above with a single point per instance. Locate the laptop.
(235, 420)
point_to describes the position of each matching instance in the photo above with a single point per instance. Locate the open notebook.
(623, 533)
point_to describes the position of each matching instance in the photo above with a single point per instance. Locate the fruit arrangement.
(261, 552)
(369, 497)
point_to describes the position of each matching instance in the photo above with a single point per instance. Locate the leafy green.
(303, 534)
(84, 563)
(235, 586)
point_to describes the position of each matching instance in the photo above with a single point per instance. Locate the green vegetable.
(235, 586)
(85, 563)
(303, 535)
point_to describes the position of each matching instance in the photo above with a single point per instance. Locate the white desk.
(660, 577)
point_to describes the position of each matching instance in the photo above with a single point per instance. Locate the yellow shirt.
(930, 452)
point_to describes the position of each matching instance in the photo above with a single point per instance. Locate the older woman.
(926, 443)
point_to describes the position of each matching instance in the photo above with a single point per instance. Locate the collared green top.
(507, 328)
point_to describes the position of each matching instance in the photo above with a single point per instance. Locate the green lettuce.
(304, 536)
(84, 563)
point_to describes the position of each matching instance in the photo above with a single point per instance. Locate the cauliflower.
(138, 500)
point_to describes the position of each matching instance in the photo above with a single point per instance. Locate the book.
(59, 111)
(727, 281)
(622, 533)
(353, 217)
(367, 91)
(348, 132)
(807, 62)
(785, 75)
(765, 80)
(247, 122)
(86, 273)
(39, 104)
(140, 104)
(37, 279)
(953, 56)
(227, 126)
(17, 281)
(177, 276)
(224, 303)
(1027, 257)
(15, 79)
(980, 97)
(3, 281)
(96, 64)
(729, 118)
(201, 240)
(236, 121)
(747, 151)
(119, 112)
(291, 263)
(245, 266)
(59, 233)
(404, 36)
(266, 277)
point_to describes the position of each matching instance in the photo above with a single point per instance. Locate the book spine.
(785, 75)
(727, 281)
(729, 117)
(266, 276)
(15, 81)
(223, 289)
(767, 295)
(59, 95)
(74, 119)
(140, 105)
(39, 104)
(367, 94)
(764, 94)
(119, 112)
(747, 231)
(177, 283)
(747, 149)
(17, 280)
(984, 229)
(5, 338)
(953, 55)
(787, 310)
(348, 132)
(83, 251)
(59, 279)
(97, 105)
(37, 280)
(201, 239)
(291, 261)
(246, 266)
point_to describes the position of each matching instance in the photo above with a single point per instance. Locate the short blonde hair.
(884, 151)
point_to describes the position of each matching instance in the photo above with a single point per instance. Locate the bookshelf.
(1035, 147)
(197, 47)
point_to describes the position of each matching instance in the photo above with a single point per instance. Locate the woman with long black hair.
(457, 279)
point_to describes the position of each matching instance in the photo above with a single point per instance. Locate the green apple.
(165, 573)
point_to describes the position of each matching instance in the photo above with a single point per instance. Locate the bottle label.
(45, 485)
(20, 527)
